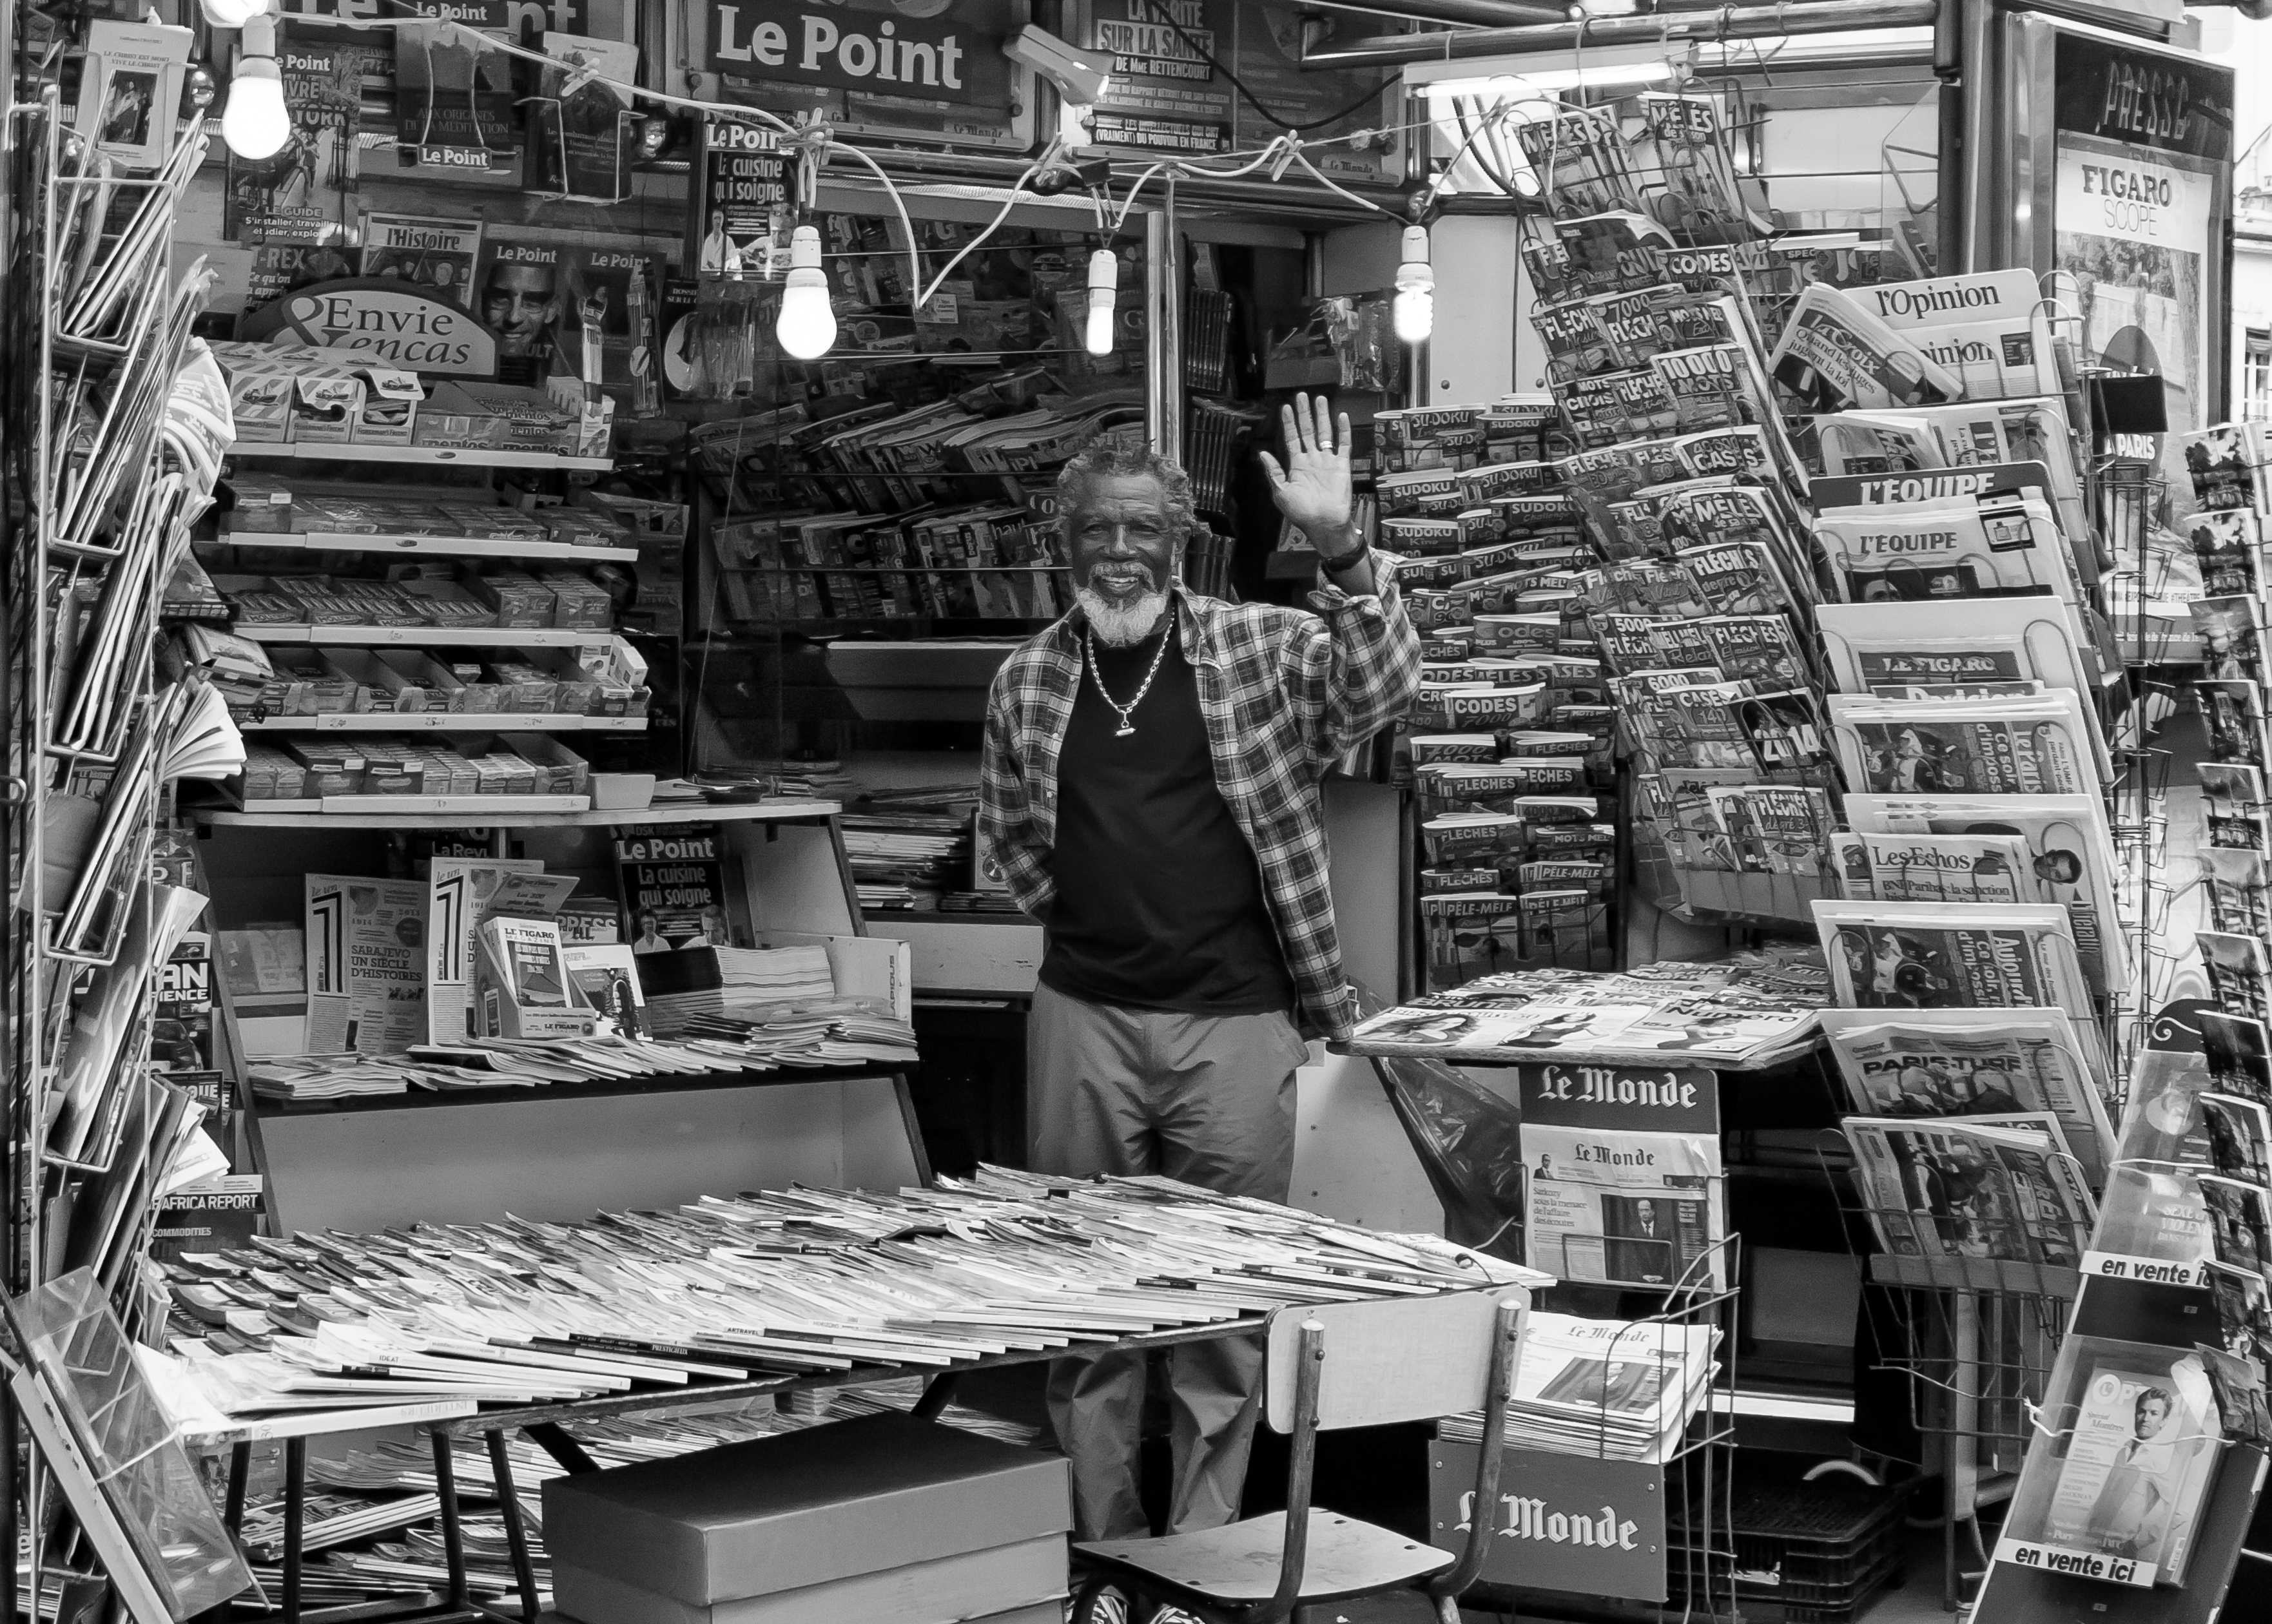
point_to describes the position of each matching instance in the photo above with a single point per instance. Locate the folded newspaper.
(1837, 356)
(1615, 1389)
(1977, 1063)
(2022, 744)
(1931, 956)
(2068, 848)
(1956, 1188)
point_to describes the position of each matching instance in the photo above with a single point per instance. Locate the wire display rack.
(1969, 1313)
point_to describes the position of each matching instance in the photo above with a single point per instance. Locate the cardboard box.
(979, 1584)
(521, 420)
(307, 685)
(805, 1507)
(528, 687)
(576, 527)
(260, 404)
(270, 775)
(447, 772)
(391, 399)
(449, 418)
(325, 404)
(328, 769)
(501, 772)
(578, 601)
(264, 507)
(418, 682)
(638, 514)
(489, 522)
(447, 604)
(390, 767)
(576, 691)
(559, 770)
(515, 598)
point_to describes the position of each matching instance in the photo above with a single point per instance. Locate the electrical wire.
(1253, 100)
(1283, 150)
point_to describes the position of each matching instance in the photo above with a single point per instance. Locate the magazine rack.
(1679, 1549)
(2142, 1298)
(1975, 1338)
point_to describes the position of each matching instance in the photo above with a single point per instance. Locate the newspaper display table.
(728, 1300)
(546, 1427)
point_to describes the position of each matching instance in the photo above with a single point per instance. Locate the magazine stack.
(1700, 592)
(1509, 744)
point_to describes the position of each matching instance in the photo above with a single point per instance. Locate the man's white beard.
(1120, 626)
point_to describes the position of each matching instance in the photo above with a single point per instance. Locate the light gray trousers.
(1209, 1100)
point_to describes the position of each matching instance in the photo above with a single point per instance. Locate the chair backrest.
(1397, 1358)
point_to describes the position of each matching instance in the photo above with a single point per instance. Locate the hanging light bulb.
(1414, 310)
(232, 13)
(255, 124)
(807, 326)
(1103, 295)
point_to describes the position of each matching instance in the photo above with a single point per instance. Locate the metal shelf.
(427, 636)
(455, 547)
(444, 721)
(728, 812)
(422, 456)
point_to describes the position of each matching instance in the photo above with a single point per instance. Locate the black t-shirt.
(1159, 897)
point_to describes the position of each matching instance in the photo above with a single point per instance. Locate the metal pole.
(1949, 66)
(1977, 69)
(1755, 22)
(1162, 404)
(1469, 13)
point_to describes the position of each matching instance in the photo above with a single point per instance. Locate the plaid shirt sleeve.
(1358, 670)
(1005, 816)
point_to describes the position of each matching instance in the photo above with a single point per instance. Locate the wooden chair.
(1409, 1358)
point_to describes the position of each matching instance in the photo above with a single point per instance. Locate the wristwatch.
(1336, 564)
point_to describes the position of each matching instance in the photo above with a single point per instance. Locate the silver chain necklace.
(1126, 712)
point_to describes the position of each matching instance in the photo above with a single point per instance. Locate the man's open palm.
(1312, 488)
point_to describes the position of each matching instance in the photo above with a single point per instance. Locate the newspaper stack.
(2005, 1188)
(1614, 1389)
(832, 1032)
(906, 859)
(1751, 1010)
(803, 1282)
(732, 984)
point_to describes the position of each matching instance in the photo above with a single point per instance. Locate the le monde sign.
(1575, 1525)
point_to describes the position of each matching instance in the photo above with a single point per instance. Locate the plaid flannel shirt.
(1285, 694)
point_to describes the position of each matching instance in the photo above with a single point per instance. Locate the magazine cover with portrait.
(2025, 745)
(1931, 956)
(2131, 1482)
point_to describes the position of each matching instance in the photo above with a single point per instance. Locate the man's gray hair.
(1111, 455)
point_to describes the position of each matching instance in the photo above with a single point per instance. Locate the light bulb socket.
(804, 252)
(232, 13)
(1104, 272)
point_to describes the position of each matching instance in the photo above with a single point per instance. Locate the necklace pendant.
(1125, 729)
